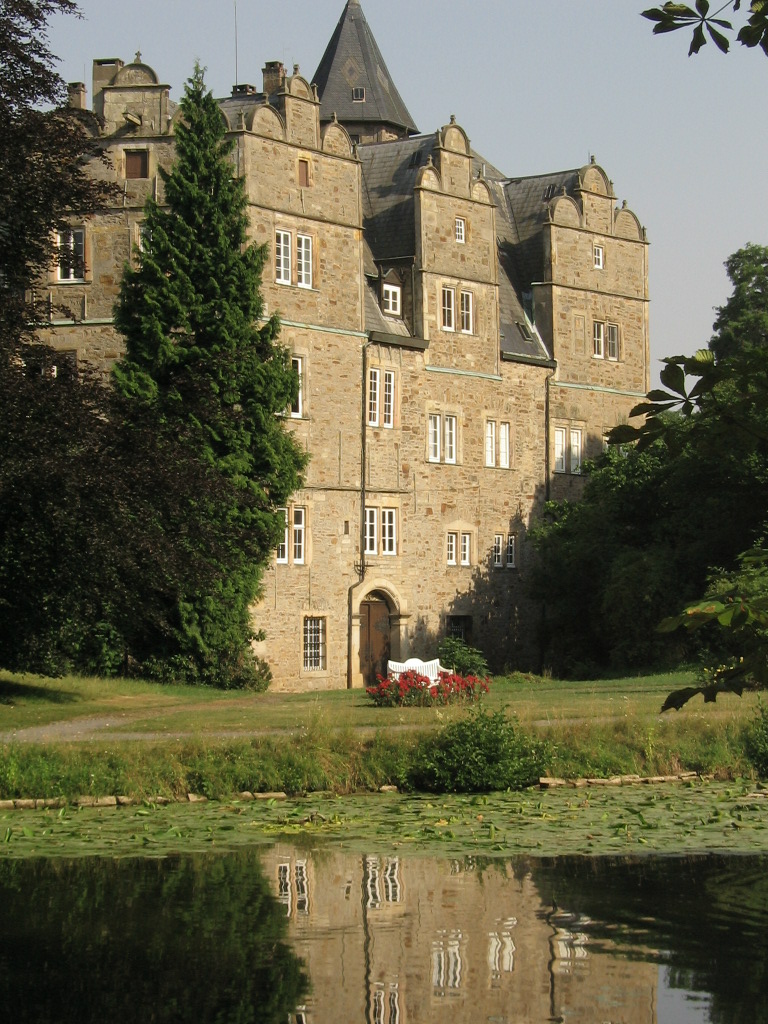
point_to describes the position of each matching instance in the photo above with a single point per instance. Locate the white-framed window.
(612, 341)
(498, 544)
(297, 407)
(282, 547)
(450, 439)
(490, 442)
(314, 643)
(560, 449)
(466, 548)
(461, 230)
(374, 379)
(598, 339)
(504, 438)
(511, 550)
(304, 261)
(450, 550)
(599, 257)
(358, 94)
(371, 531)
(389, 531)
(568, 449)
(448, 309)
(299, 534)
(466, 311)
(388, 399)
(434, 439)
(391, 295)
(71, 246)
(283, 257)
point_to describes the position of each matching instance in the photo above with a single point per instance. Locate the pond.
(320, 935)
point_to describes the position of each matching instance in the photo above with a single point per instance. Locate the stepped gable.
(353, 61)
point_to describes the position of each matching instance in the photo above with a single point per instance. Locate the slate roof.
(389, 171)
(353, 59)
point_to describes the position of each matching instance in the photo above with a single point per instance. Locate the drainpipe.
(360, 566)
(547, 435)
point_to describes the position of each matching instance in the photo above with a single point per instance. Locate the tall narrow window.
(304, 261)
(303, 173)
(598, 340)
(371, 531)
(314, 643)
(389, 531)
(388, 406)
(498, 541)
(282, 257)
(612, 341)
(559, 449)
(461, 230)
(434, 437)
(490, 442)
(450, 439)
(466, 313)
(598, 255)
(299, 531)
(71, 245)
(374, 377)
(466, 548)
(282, 547)
(297, 407)
(449, 309)
(451, 549)
(511, 551)
(575, 451)
(504, 445)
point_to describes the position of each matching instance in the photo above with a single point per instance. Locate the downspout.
(360, 567)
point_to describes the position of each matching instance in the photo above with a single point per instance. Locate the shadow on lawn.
(17, 693)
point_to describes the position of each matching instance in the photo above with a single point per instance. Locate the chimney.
(76, 95)
(104, 72)
(274, 76)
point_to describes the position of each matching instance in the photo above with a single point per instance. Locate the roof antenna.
(237, 75)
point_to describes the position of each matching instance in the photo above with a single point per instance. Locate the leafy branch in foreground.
(738, 602)
(672, 16)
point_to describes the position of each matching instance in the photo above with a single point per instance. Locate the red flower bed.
(411, 689)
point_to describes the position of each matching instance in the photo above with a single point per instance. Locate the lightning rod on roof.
(237, 77)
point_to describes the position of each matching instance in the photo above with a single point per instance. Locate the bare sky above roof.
(537, 86)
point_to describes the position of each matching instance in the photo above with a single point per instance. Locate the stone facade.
(464, 340)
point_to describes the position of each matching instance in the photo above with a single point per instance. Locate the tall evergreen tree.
(195, 353)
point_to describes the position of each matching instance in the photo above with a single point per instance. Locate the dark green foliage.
(197, 358)
(455, 654)
(706, 24)
(136, 939)
(757, 740)
(479, 753)
(743, 321)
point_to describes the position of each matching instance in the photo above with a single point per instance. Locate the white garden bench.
(430, 669)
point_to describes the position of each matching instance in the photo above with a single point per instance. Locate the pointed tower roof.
(353, 81)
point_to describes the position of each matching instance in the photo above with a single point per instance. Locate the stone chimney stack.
(76, 96)
(274, 76)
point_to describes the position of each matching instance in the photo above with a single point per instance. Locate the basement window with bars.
(314, 643)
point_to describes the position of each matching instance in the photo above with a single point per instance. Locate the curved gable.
(565, 210)
(335, 140)
(267, 121)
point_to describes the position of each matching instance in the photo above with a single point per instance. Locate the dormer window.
(358, 94)
(391, 299)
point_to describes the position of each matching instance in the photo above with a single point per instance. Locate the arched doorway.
(375, 637)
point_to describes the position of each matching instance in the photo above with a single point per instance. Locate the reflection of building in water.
(392, 941)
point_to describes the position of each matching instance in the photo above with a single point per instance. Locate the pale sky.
(538, 87)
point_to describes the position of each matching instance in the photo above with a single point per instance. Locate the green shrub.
(459, 657)
(757, 740)
(477, 754)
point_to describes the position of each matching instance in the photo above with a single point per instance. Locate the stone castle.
(464, 340)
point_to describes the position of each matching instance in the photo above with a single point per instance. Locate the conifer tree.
(196, 354)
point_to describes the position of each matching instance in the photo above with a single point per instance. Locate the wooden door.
(374, 639)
